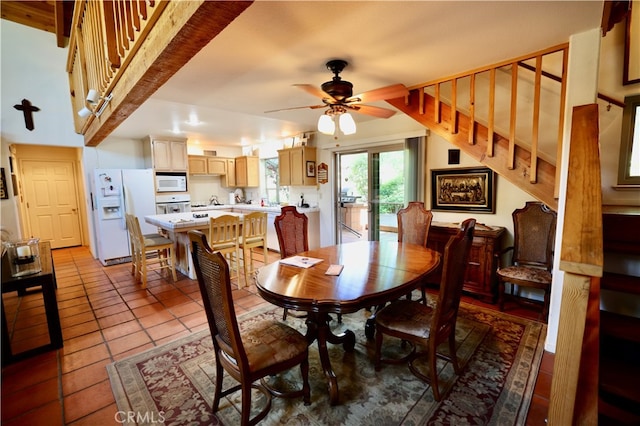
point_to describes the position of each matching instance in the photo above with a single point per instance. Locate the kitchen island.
(176, 226)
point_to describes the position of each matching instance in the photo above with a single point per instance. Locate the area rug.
(501, 354)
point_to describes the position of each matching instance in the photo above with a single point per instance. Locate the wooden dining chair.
(534, 230)
(421, 325)
(291, 229)
(266, 349)
(224, 237)
(414, 222)
(254, 234)
(152, 252)
(135, 260)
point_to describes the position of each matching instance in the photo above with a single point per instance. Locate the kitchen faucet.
(214, 200)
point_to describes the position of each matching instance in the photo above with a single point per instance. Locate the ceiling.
(250, 66)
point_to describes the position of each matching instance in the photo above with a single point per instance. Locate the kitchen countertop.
(252, 207)
(179, 221)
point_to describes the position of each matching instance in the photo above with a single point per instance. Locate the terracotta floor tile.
(171, 338)
(74, 310)
(543, 385)
(155, 319)
(128, 342)
(49, 414)
(104, 417)
(178, 299)
(82, 358)
(538, 411)
(83, 317)
(115, 319)
(166, 329)
(80, 329)
(83, 342)
(137, 302)
(187, 308)
(147, 310)
(121, 330)
(90, 400)
(27, 373)
(29, 398)
(195, 319)
(85, 377)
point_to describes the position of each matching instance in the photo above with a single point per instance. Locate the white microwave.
(171, 182)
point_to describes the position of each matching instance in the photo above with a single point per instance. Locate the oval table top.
(374, 273)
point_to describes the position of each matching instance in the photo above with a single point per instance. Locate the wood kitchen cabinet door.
(292, 166)
(167, 155)
(247, 171)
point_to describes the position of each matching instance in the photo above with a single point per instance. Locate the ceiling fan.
(337, 95)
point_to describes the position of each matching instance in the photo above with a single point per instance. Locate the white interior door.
(51, 201)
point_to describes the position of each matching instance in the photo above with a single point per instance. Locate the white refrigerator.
(115, 192)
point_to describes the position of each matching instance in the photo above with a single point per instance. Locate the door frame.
(51, 154)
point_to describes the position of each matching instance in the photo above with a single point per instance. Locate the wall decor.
(323, 173)
(4, 192)
(469, 189)
(631, 71)
(311, 168)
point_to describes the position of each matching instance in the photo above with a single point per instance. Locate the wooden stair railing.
(458, 122)
(127, 49)
(574, 386)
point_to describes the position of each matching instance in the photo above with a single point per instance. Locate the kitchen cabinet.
(247, 171)
(229, 179)
(206, 165)
(480, 275)
(292, 166)
(166, 154)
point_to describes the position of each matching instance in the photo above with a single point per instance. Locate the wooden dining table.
(373, 274)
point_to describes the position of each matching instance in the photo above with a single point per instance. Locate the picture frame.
(4, 191)
(470, 189)
(311, 169)
(631, 70)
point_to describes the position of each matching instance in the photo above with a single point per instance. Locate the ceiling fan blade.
(300, 107)
(388, 92)
(371, 110)
(313, 90)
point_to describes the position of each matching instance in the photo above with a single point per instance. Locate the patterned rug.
(500, 353)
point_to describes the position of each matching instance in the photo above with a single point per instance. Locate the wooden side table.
(47, 280)
(480, 276)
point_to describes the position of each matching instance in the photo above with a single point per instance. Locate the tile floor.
(105, 317)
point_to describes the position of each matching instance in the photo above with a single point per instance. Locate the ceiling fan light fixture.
(326, 124)
(347, 125)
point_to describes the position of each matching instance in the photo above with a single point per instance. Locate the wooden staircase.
(455, 119)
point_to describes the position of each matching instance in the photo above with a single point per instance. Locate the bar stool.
(160, 246)
(135, 261)
(254, 234)
(224, 232)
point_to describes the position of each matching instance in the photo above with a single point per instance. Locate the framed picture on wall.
(463, 190)
(311, 168)
(4, 192)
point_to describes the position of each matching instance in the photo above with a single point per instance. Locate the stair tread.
(620, 326)
(620, 282)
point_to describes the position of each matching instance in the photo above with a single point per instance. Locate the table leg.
(318, 329)
(51, 310)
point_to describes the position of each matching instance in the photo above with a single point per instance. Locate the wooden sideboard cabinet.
(480, 277)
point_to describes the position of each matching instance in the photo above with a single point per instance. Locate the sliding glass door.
(372, 185)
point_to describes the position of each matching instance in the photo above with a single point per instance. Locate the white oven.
(166, 204)
(171, 182)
